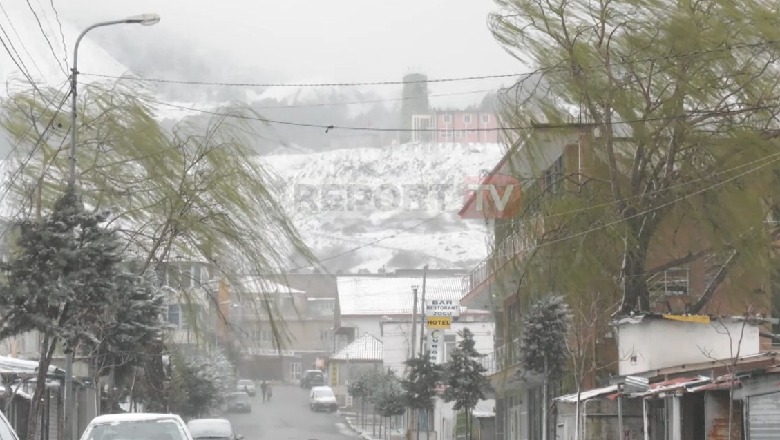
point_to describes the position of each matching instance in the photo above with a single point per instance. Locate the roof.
(263, 285)
(674, 385)
(587, 395)
(11, 365)
(695, 319)
(364, 348)
(133, 417)
(392, 295)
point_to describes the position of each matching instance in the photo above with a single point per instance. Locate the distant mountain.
(369, 198)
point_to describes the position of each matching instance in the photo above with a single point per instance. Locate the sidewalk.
(371, 431)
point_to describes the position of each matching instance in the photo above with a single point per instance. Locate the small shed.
(361, 355)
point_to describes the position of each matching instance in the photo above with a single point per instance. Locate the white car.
(322, 398)
(6, 430)
(246, 386)
(213, 429)
(137, 425)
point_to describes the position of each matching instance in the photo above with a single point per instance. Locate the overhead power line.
(328, 128)
(526, 75)
(339, 84)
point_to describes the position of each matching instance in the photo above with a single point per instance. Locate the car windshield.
(137, 430)
(213, 429)
(243, 398)
(323, 393)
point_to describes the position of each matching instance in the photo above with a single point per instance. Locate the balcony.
(503, 357)
(513, 246)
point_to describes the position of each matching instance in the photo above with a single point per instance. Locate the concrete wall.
(600, 420)
(643, 344)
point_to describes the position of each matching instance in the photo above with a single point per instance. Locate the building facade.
(543, 160)
(456, 126)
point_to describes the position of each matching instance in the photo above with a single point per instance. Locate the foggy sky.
(306, 41)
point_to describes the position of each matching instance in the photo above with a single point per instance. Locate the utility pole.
(414, 322)
(422, 321)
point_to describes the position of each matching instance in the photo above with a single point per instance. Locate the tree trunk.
(48, 346)
(635, 294)
(544, 401)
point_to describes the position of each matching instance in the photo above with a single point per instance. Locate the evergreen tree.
(360, 389)
(420, 384)
(128, 329)
(543, 344)
(465, 377)
(63, 276)
(389, 398)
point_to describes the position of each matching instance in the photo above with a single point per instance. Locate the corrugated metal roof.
(10, 365)
(587, 395)
(673, 385)
(393, 295)
(364, 348)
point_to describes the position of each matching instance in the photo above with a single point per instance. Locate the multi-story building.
(548, 153)
(456, 126)
(281, 330)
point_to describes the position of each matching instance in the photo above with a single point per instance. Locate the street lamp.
(146, 20)
(143, 19)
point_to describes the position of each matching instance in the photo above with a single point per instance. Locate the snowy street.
(287, 417)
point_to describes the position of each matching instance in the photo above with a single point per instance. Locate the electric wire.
(20, 40)
(565, 238)
(46, 37)
(526, 75)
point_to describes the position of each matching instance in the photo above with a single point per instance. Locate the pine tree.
(543, 344)
(420, 384)
(465, 377)
(63, 276)
(389, 398)
(128, 329)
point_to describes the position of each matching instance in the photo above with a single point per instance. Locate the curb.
(362, 435)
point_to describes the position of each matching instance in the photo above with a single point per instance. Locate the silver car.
(213, 429)
(137, 425)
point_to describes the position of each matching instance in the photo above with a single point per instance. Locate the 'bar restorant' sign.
(442, 307)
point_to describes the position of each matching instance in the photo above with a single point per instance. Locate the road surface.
(288, 417)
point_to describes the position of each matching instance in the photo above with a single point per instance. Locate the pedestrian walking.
(264, 390)
(270, 391)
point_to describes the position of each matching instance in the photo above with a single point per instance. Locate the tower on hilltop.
(415, 102)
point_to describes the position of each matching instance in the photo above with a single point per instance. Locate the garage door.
(764, 417)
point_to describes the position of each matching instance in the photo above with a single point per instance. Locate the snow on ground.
(397, 204)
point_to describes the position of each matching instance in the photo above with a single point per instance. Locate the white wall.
(650, 344)
(396, 349)
(370, 325)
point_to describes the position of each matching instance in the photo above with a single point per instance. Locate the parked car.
(212, 429)
(137, 425)
(6, 430)
(246, 386)
(312, 378)
(322, 398)
(239, 402)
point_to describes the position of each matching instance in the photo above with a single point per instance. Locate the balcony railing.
(517, 244)
(502, 357)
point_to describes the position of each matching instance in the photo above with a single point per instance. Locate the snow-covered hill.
(375, 201)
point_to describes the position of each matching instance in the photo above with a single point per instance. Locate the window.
(264, 335)
(174, 314)
(174, 276)
(295, 370)
(447, 119)
(186, 276)
(485, 119)
(324, 335)
(467, 119)
(450, 343)
(197, 279)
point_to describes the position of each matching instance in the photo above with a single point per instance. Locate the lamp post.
(146, 20)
